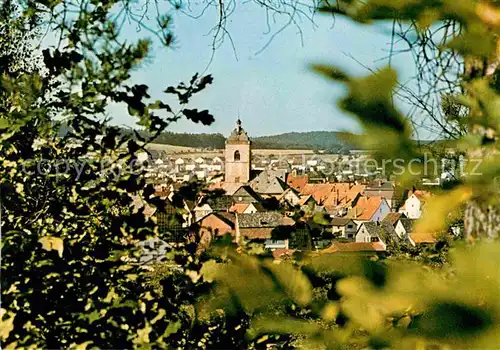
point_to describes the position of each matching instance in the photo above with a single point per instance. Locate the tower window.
(237, 155)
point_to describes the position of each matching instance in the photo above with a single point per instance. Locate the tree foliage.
(69, 235)
(393, 303)
(70, 231)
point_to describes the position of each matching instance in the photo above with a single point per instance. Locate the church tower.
(238, 156)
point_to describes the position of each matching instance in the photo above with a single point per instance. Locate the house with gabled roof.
(415, 203)
(245, 194)
(404, 226)
(418, 238)
(336, 198)
(218, 160)
(344, 227)
(384, 189)
(369, 209)
(270, 228)
(269, 182)
(246, 208)
(297, 182)
(383, 232)
(393, 218)
(213, 226)
(290, 197)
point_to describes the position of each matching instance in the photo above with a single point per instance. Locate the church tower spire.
(238, 156)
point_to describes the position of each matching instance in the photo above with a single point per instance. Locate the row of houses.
(317, 167)
(280, 212)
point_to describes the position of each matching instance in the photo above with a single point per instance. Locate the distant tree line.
(324, 140)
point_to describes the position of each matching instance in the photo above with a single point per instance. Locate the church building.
(238, 156)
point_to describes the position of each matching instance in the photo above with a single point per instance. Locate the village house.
(336, 198)
(383, 189)
(270, 228)
(414, 204)
(393, 218)
(245, 194)
(206, 205)
(290, 197)
(297, 182)
(343, 227)
(369, 209)
(246, 208)
(270, 183)
(422, 238)
(370, 232)
(404, 227)
(201, 210)
(213, 226)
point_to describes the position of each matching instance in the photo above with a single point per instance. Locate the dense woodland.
(324, 140)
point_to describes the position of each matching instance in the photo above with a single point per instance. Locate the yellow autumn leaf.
(490, 15)
(330, 311)
(52, 243)
(7, 324)
(82, 346)
(441, 207)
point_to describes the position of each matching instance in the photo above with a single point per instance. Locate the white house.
(370, 232)
(190, 166)
(413, 206)
(345, 228)
(404, 227)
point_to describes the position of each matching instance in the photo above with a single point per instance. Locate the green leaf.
(4, 123)
(452, 320)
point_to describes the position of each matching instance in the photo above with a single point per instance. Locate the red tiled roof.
(365, 208)
(393, 218)
(238, 208)
(297, 182)
(229, 217)
(279, 253)
(423, 237)
(162, 193)
(421, 195)
(257, 232)
(353, 247)
(332, 195)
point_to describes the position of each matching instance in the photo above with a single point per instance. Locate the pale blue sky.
(273, 91)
